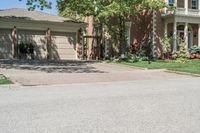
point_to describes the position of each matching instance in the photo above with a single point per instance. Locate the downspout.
(154, 53)
(14, 40)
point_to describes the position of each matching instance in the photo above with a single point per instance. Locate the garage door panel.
(66, 51)
(5, 43)
(65, 44)
(61, 40)
(67, 57)
(37, 38)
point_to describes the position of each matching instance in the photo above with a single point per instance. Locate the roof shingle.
(20, 13)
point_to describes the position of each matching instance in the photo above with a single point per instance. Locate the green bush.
(166, 47)
(194, 50)
(181, 56)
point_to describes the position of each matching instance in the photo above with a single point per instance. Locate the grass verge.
(192, 66)
(4, 80)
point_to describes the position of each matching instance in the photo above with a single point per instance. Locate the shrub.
(23, 48)
(181, 55)
(26, 50)
(166, 46)
(194, 50)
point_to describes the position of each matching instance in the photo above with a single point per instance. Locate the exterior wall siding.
(6, 43)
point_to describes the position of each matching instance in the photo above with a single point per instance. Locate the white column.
(175, 36)
(165, 9)
(175, 3)
(199, 6)
(186, 6)
(165, 34)
(199, 36)
(186, 35)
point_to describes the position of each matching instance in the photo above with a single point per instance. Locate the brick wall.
(195, 31)
(142, 29)
(180, 3)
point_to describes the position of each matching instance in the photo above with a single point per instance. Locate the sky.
(6, 4)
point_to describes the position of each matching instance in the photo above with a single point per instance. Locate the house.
(181, 24)
(52, 37)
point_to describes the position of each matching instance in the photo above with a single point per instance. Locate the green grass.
(4, 80)
(192, 66)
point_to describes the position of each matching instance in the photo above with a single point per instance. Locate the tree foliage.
(41, 4)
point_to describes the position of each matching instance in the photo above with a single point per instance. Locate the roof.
(19, 13)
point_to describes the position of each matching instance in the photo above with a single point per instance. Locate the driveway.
(67, 72)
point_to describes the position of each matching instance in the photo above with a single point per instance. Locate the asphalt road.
(148, 106)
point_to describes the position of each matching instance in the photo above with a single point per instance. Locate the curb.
(182, 73)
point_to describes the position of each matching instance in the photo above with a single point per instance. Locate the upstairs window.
(171, 2)
(194, 4)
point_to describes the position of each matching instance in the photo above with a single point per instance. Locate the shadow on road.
(67, 66)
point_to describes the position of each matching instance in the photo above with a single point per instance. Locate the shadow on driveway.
(64, 66)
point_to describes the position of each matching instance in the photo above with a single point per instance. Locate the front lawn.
(4, 80)
(192, 66)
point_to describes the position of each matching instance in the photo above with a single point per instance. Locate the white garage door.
(37, 38)
(5, 43)
(64, 45)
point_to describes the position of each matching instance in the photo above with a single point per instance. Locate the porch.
(183, 23)
(182, 28)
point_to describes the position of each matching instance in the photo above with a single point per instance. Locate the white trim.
(175, 36)
(186, 6)
(186, 35)
(166, 32)
(41, 26)
(199, 5)
(175, 3)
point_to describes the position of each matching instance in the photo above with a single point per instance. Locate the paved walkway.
(68, 72)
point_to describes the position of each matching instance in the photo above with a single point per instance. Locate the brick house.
(183, 23)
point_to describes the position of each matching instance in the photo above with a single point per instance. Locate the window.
(194, 4)
(171, 2)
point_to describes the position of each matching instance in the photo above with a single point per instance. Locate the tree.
(104, 11)
(107, 11)
(33, 4)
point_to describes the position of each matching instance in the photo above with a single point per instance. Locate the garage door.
(64, 45)
(5, 43)
(37, 38)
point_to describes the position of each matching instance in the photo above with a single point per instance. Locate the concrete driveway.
(67, 72)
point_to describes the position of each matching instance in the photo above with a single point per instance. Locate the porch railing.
(183, 11)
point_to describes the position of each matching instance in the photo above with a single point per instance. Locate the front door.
(189, 39)
(181, 38)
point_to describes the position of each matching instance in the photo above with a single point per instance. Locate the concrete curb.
(10, 86)
(182, 73)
